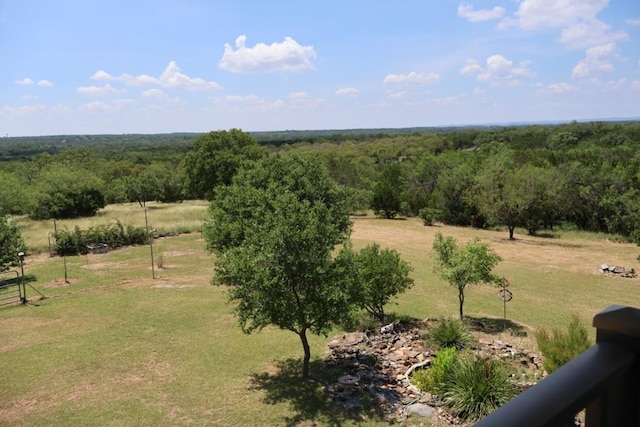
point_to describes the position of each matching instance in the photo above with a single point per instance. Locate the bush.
(115, 235)
(475, 386)
(449, 333)
(428, 215)
(559, 347)
(435, 377)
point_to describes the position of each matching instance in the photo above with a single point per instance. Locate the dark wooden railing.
(604, 380)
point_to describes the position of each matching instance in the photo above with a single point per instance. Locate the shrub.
(428, 215)
(434, 378)
(475, 386)
(115, 235)
(449, 333)
(559, 347)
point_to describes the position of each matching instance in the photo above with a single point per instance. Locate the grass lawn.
(114, 346)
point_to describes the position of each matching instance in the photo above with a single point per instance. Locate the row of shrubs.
(116, 235)
(470, 386)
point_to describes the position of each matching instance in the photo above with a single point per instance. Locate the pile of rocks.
(618, 271)
(377, 366)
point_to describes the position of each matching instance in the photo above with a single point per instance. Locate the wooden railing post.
(619, 405)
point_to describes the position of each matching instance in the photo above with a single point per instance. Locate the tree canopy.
(11, 243)
(214, 159)
(274, 231)
(461, 266)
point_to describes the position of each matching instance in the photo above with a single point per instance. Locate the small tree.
(381, 274)
(274, 231)
(11, 243)
(559, 347)
(463, 266)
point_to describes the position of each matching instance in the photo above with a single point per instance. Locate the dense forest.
(580, 175)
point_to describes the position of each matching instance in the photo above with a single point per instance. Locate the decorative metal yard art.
(505, 295)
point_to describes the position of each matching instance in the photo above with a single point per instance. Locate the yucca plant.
(449, 333)
(476, 386)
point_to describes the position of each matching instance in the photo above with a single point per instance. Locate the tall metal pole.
(146, 221)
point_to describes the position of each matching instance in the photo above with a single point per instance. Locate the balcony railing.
(604, 380)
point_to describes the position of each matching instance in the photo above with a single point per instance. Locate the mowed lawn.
(114, 346)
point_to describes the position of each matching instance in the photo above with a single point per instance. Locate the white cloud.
(498, 70)
(413, 78)
(298, 96)
(99, 90)
(285, 56)
(598, 60)
(576, 18)
(616, 84)
(450, 100)
(478, 91)
(466, 11)
(171, 78)
(96, 106)
(347, 91)
(246, 99)
(396, 95)
(635, 85)
(557, 89)
(633, 21)
(29, 97)
(24, 82)
(45, 83)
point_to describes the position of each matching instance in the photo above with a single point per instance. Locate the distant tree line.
(536, 177)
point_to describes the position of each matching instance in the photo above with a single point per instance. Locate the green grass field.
(114, 346)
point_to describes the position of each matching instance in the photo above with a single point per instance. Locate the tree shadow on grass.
(491, 325)
(307, 398)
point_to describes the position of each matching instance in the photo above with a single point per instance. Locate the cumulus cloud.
(598, 60)
(450, 100)
(45, 83)
(171, 78)
(24, 82)
(347, 91)
(577, 19)
(633, 21)
(285, 56)
(298, 96)
(396, 95)
(466, 11)
(412, 78)
(96, 106)
(498, 70)
(99, 90)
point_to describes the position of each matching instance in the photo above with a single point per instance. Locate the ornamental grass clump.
(449, 333)
(476, 386)
(559, 347)
(434, 378)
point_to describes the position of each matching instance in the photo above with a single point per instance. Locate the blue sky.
(138, 66)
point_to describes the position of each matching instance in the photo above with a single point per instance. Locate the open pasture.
(113, 346)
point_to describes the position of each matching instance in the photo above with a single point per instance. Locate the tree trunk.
(307, 353)
(511, 229)
(461, 299)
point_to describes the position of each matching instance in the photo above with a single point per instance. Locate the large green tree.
(274, 231)
(11, 243)
(214, 159)
(461, 266)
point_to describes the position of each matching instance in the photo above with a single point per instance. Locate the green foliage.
(11, 243)
(466, 265)
(62, 192)
(434, 378)
(476, 386)
(274, 231)
(449, 333)
(214, 159)
(559, 347)
(381, 274)
(429, 215)
(115, 235)
(386, 192)
(13, 196)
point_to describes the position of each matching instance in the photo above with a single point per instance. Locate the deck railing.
(604, 380)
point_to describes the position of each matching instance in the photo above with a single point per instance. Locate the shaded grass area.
(115, 347)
